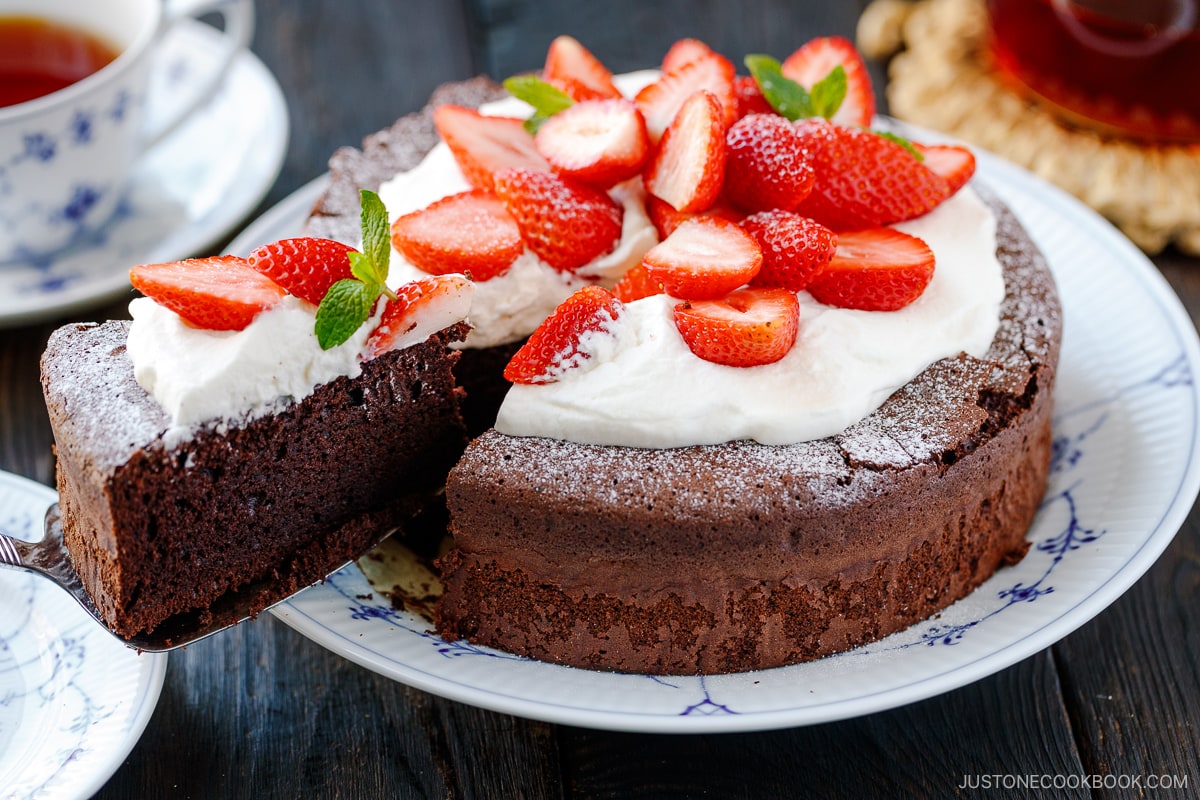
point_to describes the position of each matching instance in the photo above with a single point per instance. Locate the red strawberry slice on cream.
(704, 258)
(688, 169)
(419, 309)
(221, 293)
(558, 344)
(817, 58)
(955, 164)
(483, 145)
(877, 269)
(660, 101)
(746, 328)
(597, 142)
(577, 72)
(470, 232)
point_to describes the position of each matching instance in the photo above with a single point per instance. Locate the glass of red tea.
(1124, 67)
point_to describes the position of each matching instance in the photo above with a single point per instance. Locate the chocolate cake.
(741, 556)
(383, 154)
(157, 528)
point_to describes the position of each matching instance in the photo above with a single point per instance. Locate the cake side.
(642, 560)
(285, 498)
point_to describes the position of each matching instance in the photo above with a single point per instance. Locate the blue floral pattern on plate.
(73, 700)
(1124, 475)
(187, 192)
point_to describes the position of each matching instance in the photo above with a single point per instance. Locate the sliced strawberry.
(794, 248)
(597, 142)
(305, 267)
(483, 146)
(746, 328)
(221, 293)
(750, 98)
(572, 68)
(660, 101)
(636, 284)
(766, 165)
(567, 224)
(817, 58)
(955, 164)
(436, 301)
(554, 347)
(703, 259)
(470, 232)
(683, 51)
(876, 269)
(666, 219)
(688, 168)
(864, 180)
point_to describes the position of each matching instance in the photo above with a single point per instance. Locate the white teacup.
(66, 157)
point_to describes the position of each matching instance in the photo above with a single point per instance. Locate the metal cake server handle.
(49, 559)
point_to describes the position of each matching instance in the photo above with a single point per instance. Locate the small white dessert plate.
(1125, 471)
(187, 192)
(73, 699)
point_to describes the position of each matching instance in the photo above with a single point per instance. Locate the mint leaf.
(829, 92)
(786, 96)
(900, 140)
(363, 268)
(343, 310)
(546, 99)
(376, 233)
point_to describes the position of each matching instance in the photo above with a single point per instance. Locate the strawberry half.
(688, 168)
(577, 72)
(660, 101)
(437, 301)
(864, 180)
(597, 142)
(636, 284)
(554, 347)
(483, 146)
(794, 248)
(682, 52)
(221, 293)
(305, 267)
(955, 164)
(747, 328)
(703, 259)
(817, 58)
(470, 232)
(766, 165)
(567, 224)
(666, 219)
(877, 269)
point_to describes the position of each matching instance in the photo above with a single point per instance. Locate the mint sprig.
(792, 100)
(546, 99)
(348, 303)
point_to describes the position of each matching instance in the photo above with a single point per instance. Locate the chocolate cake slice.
(157, 528)
(741, 556)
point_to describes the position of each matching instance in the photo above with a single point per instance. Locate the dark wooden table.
(261, 712)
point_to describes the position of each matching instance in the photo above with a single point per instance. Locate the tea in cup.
(1126, 67)
(73, 106)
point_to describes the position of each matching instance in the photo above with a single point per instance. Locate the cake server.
(49, 558)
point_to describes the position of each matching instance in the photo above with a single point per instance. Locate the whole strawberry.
(566, 224)
(864, 180)
(794, 248)
(305, 266)
(766, 165)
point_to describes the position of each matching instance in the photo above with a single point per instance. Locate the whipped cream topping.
(645, 388)
(510, 306)
(199, 375)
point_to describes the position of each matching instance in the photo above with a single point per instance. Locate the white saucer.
(73, 699)
(188, 192)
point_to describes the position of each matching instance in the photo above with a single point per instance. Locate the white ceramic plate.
(187, 193)
(1124, 477)
(73, 700)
